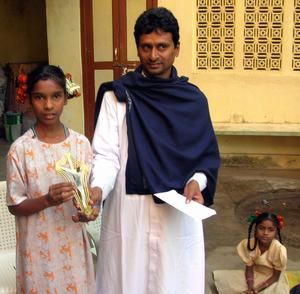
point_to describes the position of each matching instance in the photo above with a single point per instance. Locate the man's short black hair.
(154, 20)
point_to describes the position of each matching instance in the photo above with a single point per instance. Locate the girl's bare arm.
(273, 279)
(58, 193)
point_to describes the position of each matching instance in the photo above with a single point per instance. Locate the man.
(153, 134)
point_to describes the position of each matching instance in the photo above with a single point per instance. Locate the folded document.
(193, 209)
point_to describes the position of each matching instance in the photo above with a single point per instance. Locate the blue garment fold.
(170, 134)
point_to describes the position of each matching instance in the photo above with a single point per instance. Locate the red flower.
(258, 213)
(21, 94)
(280, 221)
(22, 78)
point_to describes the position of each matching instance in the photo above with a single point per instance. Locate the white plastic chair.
(7, 246)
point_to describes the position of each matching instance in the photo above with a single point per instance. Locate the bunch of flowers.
(21, 94)
(72, 88)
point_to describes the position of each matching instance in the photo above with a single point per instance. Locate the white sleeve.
(105, 146)
(201, 179)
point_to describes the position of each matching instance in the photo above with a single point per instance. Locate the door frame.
(89, 65)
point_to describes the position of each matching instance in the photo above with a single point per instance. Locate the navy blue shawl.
(170, 134)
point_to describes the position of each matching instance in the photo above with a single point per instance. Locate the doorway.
(23, 39)
(108, 46)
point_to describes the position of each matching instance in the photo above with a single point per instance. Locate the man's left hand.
(192, 192)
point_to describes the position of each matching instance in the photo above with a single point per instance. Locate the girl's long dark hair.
(259, 219)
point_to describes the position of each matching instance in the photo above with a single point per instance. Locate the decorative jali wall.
(296, 36)
(263, 37)
(215, 34)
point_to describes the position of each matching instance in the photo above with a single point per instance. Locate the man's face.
(157, 53)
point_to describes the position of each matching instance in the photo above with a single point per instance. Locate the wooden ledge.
(255, 129)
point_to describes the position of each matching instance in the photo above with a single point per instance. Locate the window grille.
(263, 34)
(296, 37)
(215, 34)
(261, 28)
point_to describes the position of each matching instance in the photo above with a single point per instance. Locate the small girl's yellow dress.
(234, 282)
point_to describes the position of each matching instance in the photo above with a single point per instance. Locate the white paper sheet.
(193, 209)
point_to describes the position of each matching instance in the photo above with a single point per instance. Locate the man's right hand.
(96, 197)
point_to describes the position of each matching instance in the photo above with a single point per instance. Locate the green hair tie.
(251, 218)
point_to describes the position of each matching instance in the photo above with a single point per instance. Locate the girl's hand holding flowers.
(60, 193)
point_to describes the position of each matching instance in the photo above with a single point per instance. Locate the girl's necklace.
(51, 139)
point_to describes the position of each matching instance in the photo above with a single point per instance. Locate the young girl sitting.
(53, 253)
(265, 259)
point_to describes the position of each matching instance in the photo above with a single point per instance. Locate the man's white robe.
(145, 248)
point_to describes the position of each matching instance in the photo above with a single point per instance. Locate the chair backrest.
(7, 222)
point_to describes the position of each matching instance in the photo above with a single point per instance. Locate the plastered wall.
(240, 96)
(22, 31)
(64, 49)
